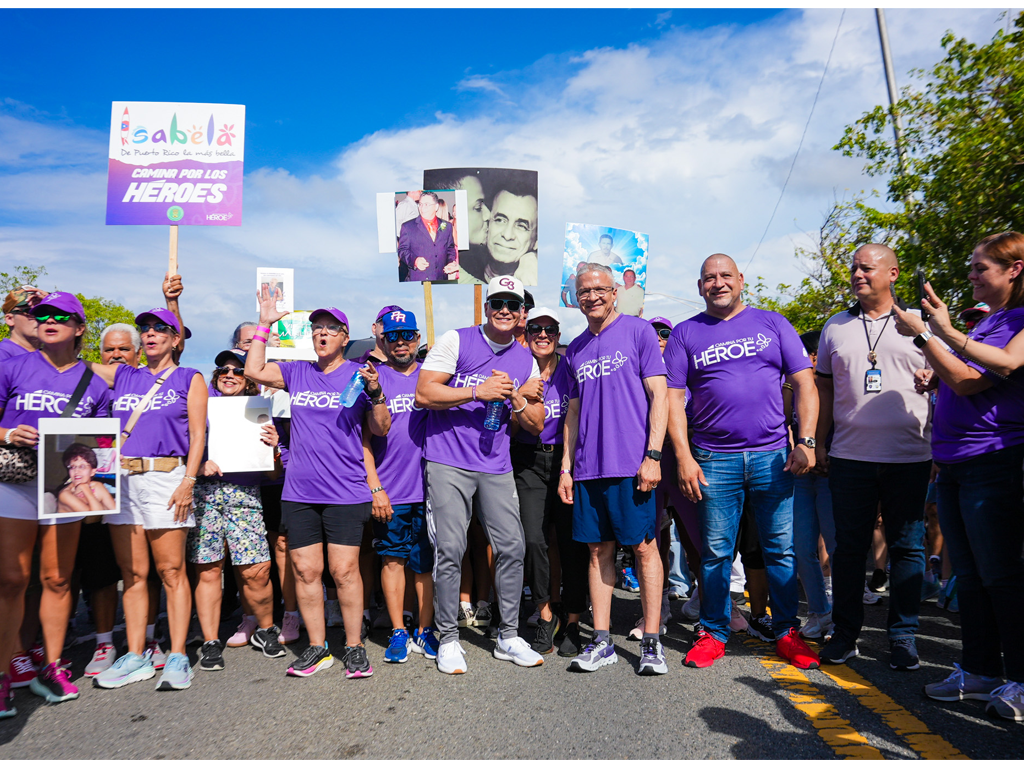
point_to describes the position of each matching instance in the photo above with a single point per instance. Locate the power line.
(801, 144)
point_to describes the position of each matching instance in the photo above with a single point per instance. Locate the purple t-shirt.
(456, 436)
(556, 403)
(326, 462)
(608, 372)
(965, 426)
(9, 349)
(162, 429)
(399, 455)
(32, 389)
(733, 369)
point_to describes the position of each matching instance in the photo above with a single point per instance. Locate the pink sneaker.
(23, 671)
(243, 633)
(38, 654)
(53, 683)
(289, 630)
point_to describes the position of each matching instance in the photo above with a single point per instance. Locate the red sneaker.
(793, 649)
(23, 671)
(38, 654)
(705, 652)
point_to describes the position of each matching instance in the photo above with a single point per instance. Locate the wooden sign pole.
(428, 305)
(478, 304)
(172, 262)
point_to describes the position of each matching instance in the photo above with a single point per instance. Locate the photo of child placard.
(236, 427)
(78, 467)
(280, 283)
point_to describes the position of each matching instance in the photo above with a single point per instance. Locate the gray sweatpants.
(450, 493)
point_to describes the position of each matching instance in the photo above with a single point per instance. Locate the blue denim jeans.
(730, 477)
(858, 488)
(812, 516)
(981, 512)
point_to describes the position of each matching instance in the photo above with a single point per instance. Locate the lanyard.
(872, 357)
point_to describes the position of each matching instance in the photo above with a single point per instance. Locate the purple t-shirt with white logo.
(32, 389)
(965, 426)
(733, 369)
(9, 349)
(456, 436)
(326, 462)
(399, 455)
(556, 403)
(162, 429)
(607, 376)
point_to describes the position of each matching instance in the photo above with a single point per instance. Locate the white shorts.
(18, 501)
(144, 500)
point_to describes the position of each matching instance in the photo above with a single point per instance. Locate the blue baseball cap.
(399, 320)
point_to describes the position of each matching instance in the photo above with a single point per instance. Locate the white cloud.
(687, 138)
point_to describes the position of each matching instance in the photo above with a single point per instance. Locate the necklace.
(872, 357)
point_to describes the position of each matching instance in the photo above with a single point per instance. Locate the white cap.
(542, 312)
(506, 285)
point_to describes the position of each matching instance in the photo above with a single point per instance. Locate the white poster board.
(280, 282)
(236, 425)
(78, 467)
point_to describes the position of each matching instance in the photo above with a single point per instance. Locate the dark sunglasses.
(225, 369)
(550, 330)
(158, 327)
(664, 332)
(512, 304)
(21, 311)
(392, 336)
(62, 319)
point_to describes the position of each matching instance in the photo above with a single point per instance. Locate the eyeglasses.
(331, 330)
(392, 336)
(550, 330)
(664, 332)
(596, 292)
(224, 370)
(497, 304)
(62, 319)
(158, 327)
(21, 311)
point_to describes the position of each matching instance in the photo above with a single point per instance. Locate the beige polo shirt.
(891, 426)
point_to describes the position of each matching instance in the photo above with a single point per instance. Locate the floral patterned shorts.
(227, 514)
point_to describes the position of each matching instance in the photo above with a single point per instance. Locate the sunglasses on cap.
(392, 336)
(497, 304)
(62, 319)
(664, 332)
(223, 370)
(158, 327)
(534, 328)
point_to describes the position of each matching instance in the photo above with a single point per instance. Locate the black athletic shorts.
(97, 563)
(270, 495)
(309, 524)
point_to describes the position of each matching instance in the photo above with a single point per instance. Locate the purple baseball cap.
(334, 312)
(385, 310)
(163, 315)
(65, 303)
(661, 321)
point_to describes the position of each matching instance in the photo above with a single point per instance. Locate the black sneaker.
(356, 663)
(903, 653)
(878, 580)
(838, 650)
(211, 656)
(544, 640)
(761, 628)
(572, 643)
(312, 660)
(266, 640)
(495, 625)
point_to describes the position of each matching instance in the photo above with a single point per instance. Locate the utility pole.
(890, 80)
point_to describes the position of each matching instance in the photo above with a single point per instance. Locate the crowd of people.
(502, 462)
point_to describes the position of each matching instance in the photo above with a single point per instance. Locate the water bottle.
(352, 389)
(492, 416)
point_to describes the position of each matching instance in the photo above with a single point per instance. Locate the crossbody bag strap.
(76, 396)
(134, 418)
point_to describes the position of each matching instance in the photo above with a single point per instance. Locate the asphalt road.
(747, 706)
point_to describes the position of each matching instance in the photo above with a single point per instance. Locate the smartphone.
(921, 280)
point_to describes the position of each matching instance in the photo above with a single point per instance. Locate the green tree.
(99, 312)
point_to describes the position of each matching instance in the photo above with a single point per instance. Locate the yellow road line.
(928, 745)
(835, 731)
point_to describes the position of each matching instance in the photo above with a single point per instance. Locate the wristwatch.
(810, 442)
(922, 338)
(652, 454)
(380, 399)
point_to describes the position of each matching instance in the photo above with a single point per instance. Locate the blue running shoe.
(398, 647)
(177, 675)
(425, 641)
(130, 668)
(629, 582)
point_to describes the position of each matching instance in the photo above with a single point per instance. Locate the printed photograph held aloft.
(621, 250)
(502, 217)
(423, 227)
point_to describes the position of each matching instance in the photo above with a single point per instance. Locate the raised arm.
(172, 288)
(256, 366)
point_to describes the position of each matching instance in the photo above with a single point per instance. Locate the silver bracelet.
(521, 409)
(7, 437)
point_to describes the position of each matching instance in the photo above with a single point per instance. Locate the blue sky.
(681, 124)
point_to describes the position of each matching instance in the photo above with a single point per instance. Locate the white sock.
(294, 614)
(150, 632)
(104, 637)
(465, 606)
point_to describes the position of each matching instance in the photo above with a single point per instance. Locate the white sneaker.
(817, 626)
(691, 608)
(870, 598)
(451, 659)
(102, 658)
(518, 651)
(737, 621)
(159, 657)
(332, 613)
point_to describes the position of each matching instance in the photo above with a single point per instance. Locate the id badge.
(873, 380)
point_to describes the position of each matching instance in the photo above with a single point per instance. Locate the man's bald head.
(873, 270)
(882, 255)
(722, 259)
(721, 286)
